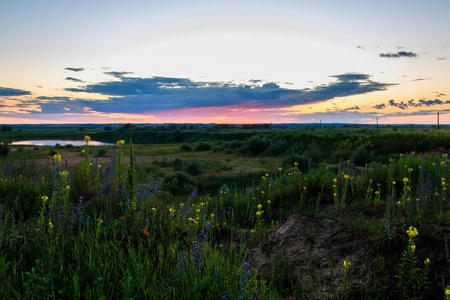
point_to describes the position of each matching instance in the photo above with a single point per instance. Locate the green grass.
(84, 231)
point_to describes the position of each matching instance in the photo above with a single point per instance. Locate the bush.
(303, 162)
(256, 145)
(341, 155)
(177, 164)
(4, 149)
(52, 152)
(224, 166)
(101, 152)
(194, 167)
(186, 148)
(202, 146)
(178, 183)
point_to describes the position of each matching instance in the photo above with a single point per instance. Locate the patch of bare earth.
(317, 248)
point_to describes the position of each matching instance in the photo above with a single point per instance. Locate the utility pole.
(437, 120)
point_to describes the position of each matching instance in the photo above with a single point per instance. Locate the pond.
(61, 142)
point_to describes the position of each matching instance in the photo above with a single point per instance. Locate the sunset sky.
(207, 61)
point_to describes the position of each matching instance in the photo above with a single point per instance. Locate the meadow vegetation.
(184, 213)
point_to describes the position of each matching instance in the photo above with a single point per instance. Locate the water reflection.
(61, 142)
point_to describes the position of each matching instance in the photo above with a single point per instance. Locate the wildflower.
(258, 213)
(99, 166)
(393, 182)
(405, 180)
(259, 206)
(427, 261)
(65, 173)
(347, 264)
(296, 164)
(280, 169)
(262, 192)
(268, 201)
(87, 139)
(346, 176)
(212, 215)
(413, 247)
(44, 198)
(67, 187)
(154, 209)
(120, 143)
(335, 180)
(412, 232)
(447, 290)
(144, 232)
(57, 158)
(50, 225)
(267, 175)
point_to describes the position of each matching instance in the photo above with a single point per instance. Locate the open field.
(261, 214)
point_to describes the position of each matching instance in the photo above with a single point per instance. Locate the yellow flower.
(259, 206)
(99, 166)
(212, 215)
(335, 180)
(154, 209)
(296, 164)
(258, 213)
(405, 180)
(87, 139)
(413, 247)
(280, 169)
(268, 201)
(57, 158)
(267, 175)
(65, 173)
(346, 176)
(50, 225)
(67, 187)
(347, 264)
(393, 182)
(412, 232)
(447, 290)
(427, 261)
(44, 198)
(120, 143)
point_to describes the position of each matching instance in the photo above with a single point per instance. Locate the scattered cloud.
(117, 74)
(411, 103)
(74, 79)
(138, 95)
(13, 92)
(398, 54)
(74, 69)
(441, 58)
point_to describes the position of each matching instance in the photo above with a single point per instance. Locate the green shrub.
(178, 183)
(186, 148)
(202, 146)
(303, 162)
(101, 152)
(224, 166)
(177, 164)
(4, 149)
(341, 155)
(256, 145)
(193, 167)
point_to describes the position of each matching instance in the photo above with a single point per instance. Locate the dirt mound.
(316, 249)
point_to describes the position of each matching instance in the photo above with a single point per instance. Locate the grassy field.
(269, 214)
